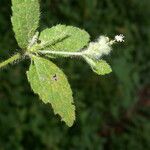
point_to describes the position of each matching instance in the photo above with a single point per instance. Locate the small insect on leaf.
(55, 78)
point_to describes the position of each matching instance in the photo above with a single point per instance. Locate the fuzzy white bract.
(99, 48)
(102, 46)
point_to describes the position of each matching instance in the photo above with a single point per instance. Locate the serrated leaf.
(68, 38)
(25, 20)
(101, 67)
(50, 83)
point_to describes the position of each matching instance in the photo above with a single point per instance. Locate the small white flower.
(119, 38)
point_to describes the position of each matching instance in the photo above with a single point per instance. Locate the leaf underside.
(25, 20)
(67, 38)
(50, 83)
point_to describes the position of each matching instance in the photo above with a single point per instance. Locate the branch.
(10, 60)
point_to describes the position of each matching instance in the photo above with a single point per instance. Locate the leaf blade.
(25, 20)
(75, 41)
(100, 67)
(57, 93)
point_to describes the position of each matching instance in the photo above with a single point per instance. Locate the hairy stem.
(89, 61)
(10, 60)
(62, 53)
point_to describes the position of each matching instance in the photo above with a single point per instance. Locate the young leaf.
(25, 20)
(101, 67)
(67, 38)
(50, 83)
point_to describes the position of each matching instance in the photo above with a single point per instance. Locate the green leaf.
(50, 83)
(101, 67)
(64, 38)
(25, 20)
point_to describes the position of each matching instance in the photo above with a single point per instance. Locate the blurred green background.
(112, 110)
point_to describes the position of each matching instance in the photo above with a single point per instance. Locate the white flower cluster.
(102, 46)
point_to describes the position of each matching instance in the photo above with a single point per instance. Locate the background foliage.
(112, 110)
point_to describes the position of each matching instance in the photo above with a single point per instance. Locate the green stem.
(62, 53)
(10, 60)
(89, 60)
